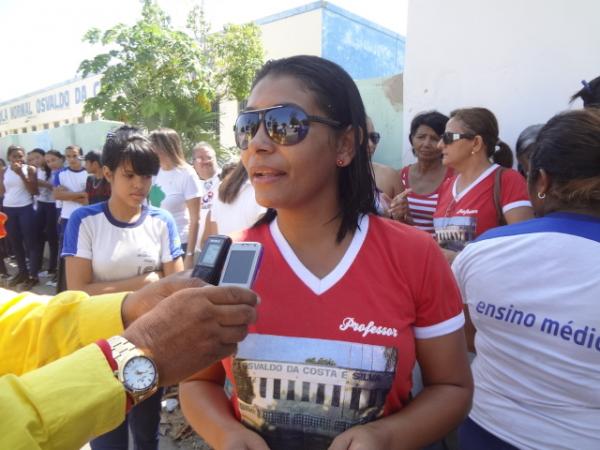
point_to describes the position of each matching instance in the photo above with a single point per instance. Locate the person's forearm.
(61, 405)
(429, 417)
(208, 410)
(60, 194)
(108, 287)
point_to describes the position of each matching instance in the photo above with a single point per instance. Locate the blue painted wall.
(364, 49)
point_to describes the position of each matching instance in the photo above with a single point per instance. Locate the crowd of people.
(366, 271)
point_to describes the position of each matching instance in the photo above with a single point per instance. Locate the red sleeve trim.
(107, 351)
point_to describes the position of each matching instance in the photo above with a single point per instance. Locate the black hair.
(525, 144)
(482, 122)
(336, 94)
(3, 162)
(433, 119)
(568, 149)
(56, 153)
(589, 93)
(13, 148)
(77, 148)
(44, 167)
(93, 156)
(128, 144)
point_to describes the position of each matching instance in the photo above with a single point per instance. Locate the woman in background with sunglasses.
(343, 311)
(482, 194)
(387, 181)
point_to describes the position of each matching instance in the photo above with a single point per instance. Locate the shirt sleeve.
(35, 330)
(61, 405)
(192, 187)
(439, 309)
(170, 241)
(77, 240)
(56, 178)
(513, 191)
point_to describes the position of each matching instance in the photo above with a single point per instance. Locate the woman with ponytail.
(485, 192)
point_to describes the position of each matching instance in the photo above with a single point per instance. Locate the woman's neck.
(166, 164)
(123, 212)
(471, 172)
(427, 166)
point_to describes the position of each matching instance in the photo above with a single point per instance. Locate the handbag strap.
(497, 192)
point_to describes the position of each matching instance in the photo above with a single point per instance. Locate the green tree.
(154, 75)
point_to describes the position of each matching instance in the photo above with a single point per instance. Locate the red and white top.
(422, 206)
(461, 217)
(329, 353)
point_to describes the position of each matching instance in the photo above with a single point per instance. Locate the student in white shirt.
(208, 170)
(69, 189)
(123, 245)
(531, 290)
(18, 184)
(177, 189)
(45, 213)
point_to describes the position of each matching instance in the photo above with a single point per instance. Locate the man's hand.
(143, 300)
(193, 328)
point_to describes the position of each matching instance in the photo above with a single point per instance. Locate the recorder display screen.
(238, 267)
(212, 251)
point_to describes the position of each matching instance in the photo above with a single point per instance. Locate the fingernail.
(258, 299)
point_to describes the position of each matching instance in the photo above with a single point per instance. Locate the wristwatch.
(135, 370)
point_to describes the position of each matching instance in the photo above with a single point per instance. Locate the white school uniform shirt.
(74, 181)
(239, 215)
(171, 189)
(532, 289)
(210, 191)
(120, 250)
(16, 194)
(45, 194)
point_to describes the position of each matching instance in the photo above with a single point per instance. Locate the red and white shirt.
(461, 217)
(422, 206)
(329, 353)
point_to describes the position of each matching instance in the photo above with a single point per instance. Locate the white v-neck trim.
(479, 179)
(315, 284)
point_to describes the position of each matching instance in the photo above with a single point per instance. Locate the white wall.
(522, 59)
(294, 35)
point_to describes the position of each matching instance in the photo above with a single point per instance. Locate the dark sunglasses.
(374, 137)
(448, 137)
(284, 124)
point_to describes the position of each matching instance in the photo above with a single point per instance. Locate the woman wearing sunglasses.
(482, 194)
(343, 312)
(387, 181)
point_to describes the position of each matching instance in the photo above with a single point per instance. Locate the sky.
(41, 40)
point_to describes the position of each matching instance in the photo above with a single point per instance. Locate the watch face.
(139, 374)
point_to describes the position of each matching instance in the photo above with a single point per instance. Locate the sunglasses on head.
(284, 124)
(448, 137)
(374, 137)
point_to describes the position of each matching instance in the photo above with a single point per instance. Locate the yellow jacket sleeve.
(35, 330)
(61, 405)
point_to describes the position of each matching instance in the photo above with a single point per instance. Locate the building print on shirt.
(454, 233)
(302, 392)
(156, 195)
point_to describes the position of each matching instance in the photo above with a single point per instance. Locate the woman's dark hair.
(56, 153)
(2, 162)
(226, 169)
(482, 122)
(13, 148)
(128, 144)
(589, 93)
(568, 149)
(336, 94)
(44, 167)
(433, 119)
(232, 183)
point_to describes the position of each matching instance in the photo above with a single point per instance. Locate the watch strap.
(107, 351)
